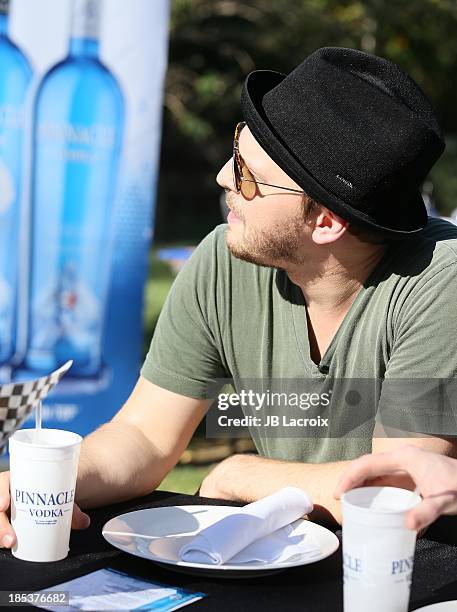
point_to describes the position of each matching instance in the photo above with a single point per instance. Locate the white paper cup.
(378, 550)
(43, 470)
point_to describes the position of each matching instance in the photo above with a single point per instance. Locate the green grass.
(158, 285)
(185, 479)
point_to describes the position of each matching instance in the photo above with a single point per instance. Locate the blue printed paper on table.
(81, 85)
(110, 589)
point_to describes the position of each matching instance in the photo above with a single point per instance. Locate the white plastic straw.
(38, 416)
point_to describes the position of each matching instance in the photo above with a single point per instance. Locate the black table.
(310, 588)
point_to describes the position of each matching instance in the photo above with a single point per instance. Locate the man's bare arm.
(127, 457)
(130, 455)
(247, 478)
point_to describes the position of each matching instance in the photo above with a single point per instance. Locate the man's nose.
(224, 177)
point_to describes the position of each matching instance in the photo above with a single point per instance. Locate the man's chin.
(240, 251)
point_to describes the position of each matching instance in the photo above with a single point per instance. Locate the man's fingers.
(4, 491)
(372, 466)
(7, 535)
(80, 520)
(431, 508)
(426, 512)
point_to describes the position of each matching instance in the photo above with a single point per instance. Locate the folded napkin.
(259, 532)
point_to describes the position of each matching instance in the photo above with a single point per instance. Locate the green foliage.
(444, 179)
(214, 44)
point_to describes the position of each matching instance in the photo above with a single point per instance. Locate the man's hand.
(434, 475)
(80, 520)
(223, 482)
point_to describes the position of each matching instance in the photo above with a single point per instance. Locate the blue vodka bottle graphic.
(77, 134)
(15, 77)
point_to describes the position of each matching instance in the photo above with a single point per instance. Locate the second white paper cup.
(378, 550)
(43, 471)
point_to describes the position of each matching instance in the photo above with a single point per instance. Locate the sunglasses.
(244, 181)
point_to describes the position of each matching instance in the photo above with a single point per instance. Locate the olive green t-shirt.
(225, 317)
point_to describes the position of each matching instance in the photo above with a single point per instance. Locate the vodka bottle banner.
(77, 136)
(15, 78)
(79, 150)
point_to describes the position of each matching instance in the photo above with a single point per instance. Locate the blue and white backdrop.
(81, 88)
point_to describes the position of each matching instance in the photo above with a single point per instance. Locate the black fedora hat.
(353, 130)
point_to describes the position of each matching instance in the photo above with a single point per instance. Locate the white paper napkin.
(259, 532)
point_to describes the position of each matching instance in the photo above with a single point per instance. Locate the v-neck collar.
(300, 320)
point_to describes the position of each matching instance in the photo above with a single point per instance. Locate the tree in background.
(214, 44)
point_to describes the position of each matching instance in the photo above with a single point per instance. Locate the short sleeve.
(419, 390)
(184, 356)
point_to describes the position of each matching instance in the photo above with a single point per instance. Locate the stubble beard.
(276, 248)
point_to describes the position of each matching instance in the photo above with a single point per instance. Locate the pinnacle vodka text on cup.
(15, 77)
(77, 137)
(354, 567)
(45, 507)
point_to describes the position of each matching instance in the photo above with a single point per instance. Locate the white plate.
(157, 534)
(444, 606)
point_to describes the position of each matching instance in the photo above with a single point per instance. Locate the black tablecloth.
(310, 588)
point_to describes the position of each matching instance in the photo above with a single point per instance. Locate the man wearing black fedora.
(328, 270)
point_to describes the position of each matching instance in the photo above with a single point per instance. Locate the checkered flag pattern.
(17, 400)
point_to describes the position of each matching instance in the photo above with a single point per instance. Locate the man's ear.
(328, 227)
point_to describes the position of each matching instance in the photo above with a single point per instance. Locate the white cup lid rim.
(413, 497)
(68, 442)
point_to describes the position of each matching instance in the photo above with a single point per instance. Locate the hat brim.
(259, 83)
